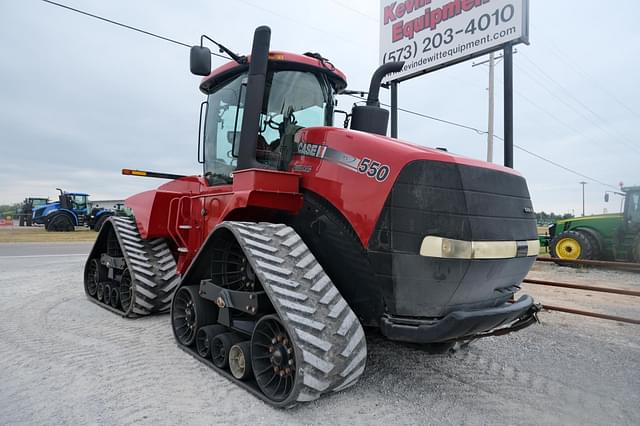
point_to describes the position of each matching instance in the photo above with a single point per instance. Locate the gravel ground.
(63, 360)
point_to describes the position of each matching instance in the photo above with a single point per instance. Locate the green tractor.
(601, 237)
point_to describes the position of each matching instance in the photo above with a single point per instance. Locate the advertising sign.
(432, 34)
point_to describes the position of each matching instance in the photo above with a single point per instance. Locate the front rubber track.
(151, 265)
(329, 341)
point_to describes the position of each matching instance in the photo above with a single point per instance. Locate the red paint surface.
(186, 210)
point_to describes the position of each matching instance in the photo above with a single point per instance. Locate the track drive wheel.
(572, 245)
(273, 358)
(190, 312)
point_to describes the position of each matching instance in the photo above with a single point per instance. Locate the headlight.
(447, 248)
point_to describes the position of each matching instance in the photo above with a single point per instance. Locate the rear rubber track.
(151, 266)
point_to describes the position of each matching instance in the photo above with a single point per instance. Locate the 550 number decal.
(374, 169)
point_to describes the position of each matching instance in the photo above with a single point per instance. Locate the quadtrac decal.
(366, 166)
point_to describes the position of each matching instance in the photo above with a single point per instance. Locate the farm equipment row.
(71, 210)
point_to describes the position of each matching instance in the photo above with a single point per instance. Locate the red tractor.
(299, 234)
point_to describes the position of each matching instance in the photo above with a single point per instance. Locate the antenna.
(241, 59)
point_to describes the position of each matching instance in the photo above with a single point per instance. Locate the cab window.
(633, 209)
(79, 201)
(222, 130)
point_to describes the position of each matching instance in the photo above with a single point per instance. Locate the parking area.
(64, 360)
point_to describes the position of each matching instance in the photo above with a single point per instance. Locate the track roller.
(220, 347)
(204, 336)
(240, 360)
(106, 298)
(100, 291)
(115, 297)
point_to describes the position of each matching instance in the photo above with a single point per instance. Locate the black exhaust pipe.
(371, 118)
(376, 80)
(254, 99)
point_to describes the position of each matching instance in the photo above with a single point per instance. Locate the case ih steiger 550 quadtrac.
(298, 234)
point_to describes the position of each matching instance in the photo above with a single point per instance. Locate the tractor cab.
(256, 104)
(297, 94)
(74, 201)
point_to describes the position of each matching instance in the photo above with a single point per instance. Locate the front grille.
(453, 201)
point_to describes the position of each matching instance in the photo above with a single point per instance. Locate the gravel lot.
(63, 360)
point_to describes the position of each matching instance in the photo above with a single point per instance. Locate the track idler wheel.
(107, 294)
(204, 337)
(220, 347)
(100, 291)
(125, 291)
(93, 275)
(115, 297)
(189, 313)
(273, 358)
(240, 360)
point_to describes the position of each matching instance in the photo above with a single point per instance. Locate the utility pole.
(492, 66)
(508, 97)
(583, 184)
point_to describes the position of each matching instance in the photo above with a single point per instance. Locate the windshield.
(295, 99)
(38, 202)
(79, 201)
(633, 206)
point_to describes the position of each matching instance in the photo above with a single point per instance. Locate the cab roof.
(310, 61)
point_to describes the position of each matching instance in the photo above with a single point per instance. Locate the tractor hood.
(357, 171)
(590, 218)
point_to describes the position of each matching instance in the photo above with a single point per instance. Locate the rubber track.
(330, 342)
(152, 268)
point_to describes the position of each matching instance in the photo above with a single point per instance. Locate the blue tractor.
(70, 211)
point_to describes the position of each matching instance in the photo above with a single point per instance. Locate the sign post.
(432, 34)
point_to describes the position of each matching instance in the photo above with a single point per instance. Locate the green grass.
(14, 234)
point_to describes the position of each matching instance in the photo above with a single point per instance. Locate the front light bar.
(447, 248)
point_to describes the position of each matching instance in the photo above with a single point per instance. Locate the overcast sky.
(80, 99)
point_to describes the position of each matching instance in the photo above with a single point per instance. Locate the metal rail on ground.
(599, 263)
(586, 288)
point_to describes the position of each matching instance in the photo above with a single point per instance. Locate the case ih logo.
(311, 150)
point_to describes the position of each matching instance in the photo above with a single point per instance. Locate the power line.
(483, 132)
(564, 57)
(129, 27)
(354, 10)
(626, 142)
(440, 120)
(559, 165)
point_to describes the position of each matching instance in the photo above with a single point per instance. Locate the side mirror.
(606, 197)
(200, 60)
